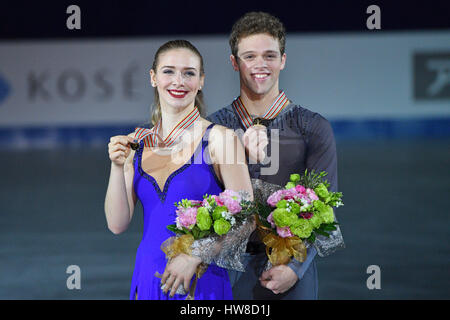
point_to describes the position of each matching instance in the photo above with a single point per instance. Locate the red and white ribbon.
(273, 111)
(152, 137)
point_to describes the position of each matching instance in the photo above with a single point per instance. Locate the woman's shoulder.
(220, 136)
(219, 132)
(222, 141)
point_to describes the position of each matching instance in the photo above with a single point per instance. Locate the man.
(296, 139)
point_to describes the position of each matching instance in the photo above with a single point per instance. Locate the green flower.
(295, 207)
(324, 211)
(282, 204)
(328, 215)
(284, 218)
(221, 226)
(302, 228)
(322, 191)
(295, 177)
(319, 206)
(217, 213)
(316, 220)
(289, 185)
(203, 219)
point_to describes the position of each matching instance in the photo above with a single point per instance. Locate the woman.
(168, 166)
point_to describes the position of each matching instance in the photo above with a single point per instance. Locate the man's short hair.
(255, 23)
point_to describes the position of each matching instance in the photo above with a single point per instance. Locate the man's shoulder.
(311, 122)
(223, 111)
(306, 113)
(225, 117)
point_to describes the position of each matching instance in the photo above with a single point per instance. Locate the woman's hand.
(119, 149)
(179, 271)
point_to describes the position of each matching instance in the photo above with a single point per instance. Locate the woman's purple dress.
(191, 181)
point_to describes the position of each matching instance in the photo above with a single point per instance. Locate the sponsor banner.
(345, 77)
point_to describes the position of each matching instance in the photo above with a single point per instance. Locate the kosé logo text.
(74, 85)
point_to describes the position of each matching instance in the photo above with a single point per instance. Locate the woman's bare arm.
(228, 156)
(120, 198)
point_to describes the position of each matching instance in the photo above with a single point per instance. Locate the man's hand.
(279, 279)
(255, 140)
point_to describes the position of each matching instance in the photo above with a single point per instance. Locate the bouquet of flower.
(296, 214)
(215, 216)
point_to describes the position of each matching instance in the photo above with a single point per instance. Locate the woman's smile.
(179, 94)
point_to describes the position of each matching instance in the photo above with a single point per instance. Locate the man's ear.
(234, 62)
(283, 61)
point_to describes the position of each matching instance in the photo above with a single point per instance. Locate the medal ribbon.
(152, 136)
(273, 111)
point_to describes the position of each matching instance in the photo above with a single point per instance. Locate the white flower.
(177, 220)
(303, 201)
(305, 207)
(229, 217)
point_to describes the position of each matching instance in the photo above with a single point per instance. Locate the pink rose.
(279, 195)
(311, 194)
(270, 220)
(300, 189)
(274, 198)
(187, 217)
(284, 232)
(304, 196)
(232, 205)
(290, 194)
(231, 199)
(230, 194)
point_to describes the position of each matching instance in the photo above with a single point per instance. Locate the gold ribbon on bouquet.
(279, 250)
(177, 245)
